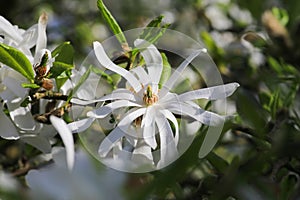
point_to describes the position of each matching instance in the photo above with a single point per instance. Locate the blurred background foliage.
(254, 43)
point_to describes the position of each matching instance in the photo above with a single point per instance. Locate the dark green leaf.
(112, 23)
(217, 162)
(251, 111)
(16, 60)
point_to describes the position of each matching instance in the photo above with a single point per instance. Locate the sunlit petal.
(80, 125)
(153, 60)
(203, 116)
(108, 64)
(169, 115)
(41, 42)
(211, 93)
(176, 74)
(168, 150)
(110, 141)
(109, 108)
(67, 138)
(143, 77)
(148, 127)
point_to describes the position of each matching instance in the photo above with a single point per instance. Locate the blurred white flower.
(84, 182)
(20, 123)
(149, 109)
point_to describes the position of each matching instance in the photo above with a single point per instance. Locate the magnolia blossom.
(21, 124)
(149, 109)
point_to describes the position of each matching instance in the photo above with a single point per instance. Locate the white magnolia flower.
(149, 109)
(21, 124)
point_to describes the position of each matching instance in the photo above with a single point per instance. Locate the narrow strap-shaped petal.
(10, 31)
(211, 93)
(115, 95)
(168, 150)
(142, 154)
(29, 38)
(148, 127)
(203, 116)
(67, 138)
(41, 42)
(108, 64)
(80, 125)
(120, 131)
(109, 108)
(143, 77)
(169, 115)
(109, 141)
(171, 81)
(153, 60)
(120, 93)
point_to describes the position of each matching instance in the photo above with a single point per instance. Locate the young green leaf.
(16, 60)
(166, 72)
(112, 23)
(154, 30)
(30, 85)
(58, 68)
(64, 53)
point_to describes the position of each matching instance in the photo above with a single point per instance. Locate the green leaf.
(64, 53)
(58, 68)
(16, 60)
(110, 20)
(281, 14)
(166, 72)
(251, 112)
(82, 79)
(62, 78)
(154, 30)
(30, 85)
(63, 65)
(217, 162)
(101, 73)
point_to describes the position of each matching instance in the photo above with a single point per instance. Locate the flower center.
(149, 98)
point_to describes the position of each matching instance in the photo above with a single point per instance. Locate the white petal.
(120, 94)
(152, 58)
(80, 125)
(7, 28)
(203, 116)
(143, 77)
(148, 127)
(142, 154)
(173, 119)
(211, 93)
(110, 141)
(41, 42)
(108, 64)
(171, 81)
(8, 129)
(168, 150)
(67, 138)
(21, 116)
(109, 108)
(29, 39)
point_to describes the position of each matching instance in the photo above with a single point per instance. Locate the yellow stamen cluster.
(149, 98)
